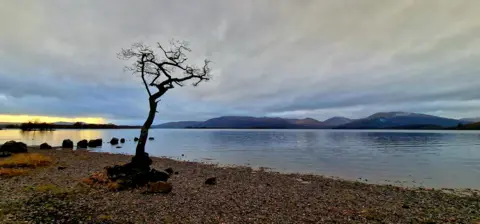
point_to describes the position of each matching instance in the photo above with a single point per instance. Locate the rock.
(13, 147)
(95, 143)
(61, 167)
(135, 139)
(45, 146)
(4, 154)
(151, 138)
(159, 187)
(211, 181)
(114, 141)
(122, 140)
(169, 171)
(67, 144)
(131, 175)
(82, 144)
(119, 147)
(156, 176)
(183, 155)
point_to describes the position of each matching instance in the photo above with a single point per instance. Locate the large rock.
(67, 144)
(45, 146)
(95, 143)
(82, 144)
(156, 176)
(13, 147)
(122, 140)
(114, 141)
(135, 139)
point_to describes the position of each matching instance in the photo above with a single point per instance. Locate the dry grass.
(9, 172)
(101, 179)
(28, 160)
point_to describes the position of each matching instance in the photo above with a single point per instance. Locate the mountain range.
(382, 120)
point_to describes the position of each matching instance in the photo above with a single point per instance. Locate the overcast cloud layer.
(271, 58)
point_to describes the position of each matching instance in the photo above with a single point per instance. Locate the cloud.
(289, 58)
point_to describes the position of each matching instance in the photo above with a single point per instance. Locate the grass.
(101, 179)
(26, 160)
(9, 172)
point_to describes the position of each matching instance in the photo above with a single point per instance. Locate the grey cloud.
(292, 58)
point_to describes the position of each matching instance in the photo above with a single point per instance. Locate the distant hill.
(336, 121)
(178, 124)
(400, 119)
(305, 123)
(382, 120)
(244, 122)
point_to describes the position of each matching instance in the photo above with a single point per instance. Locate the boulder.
(122, 140)
(169, 171)
(45, 146)
(151, 138)
(67, 144)
(114, 141)
(4, 154)
(155, 176)
(13, 147)
(211, 181)
(82, 144)
(135, 139)
(95, 143)
(159, 187)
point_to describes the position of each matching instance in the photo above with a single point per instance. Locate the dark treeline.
(37, 126)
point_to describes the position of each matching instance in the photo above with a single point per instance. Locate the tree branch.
(160, 71)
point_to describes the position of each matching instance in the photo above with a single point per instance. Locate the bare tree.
(160, 73)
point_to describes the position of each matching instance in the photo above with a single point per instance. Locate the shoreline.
(242, 195)
(411, 184)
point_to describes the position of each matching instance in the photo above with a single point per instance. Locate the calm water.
(419, 158)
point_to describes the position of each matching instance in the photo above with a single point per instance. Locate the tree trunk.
(140, 155)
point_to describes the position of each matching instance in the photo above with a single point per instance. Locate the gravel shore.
(242, 195)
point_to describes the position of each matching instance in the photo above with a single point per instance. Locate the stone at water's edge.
(82, 144)
(122, 140)
(45, 146)
(67, 144)
(135, 139)
(95, 143)
(151, 138)
(13, 147)
(114, 141)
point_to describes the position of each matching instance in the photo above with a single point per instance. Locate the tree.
(160, 73)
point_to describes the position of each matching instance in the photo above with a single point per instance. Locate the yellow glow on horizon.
(20, 118)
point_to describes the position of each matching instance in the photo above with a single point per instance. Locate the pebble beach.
(57, 194)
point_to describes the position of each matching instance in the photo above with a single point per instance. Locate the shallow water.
(411, 158)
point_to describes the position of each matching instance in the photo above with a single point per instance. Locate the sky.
(296, 59)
